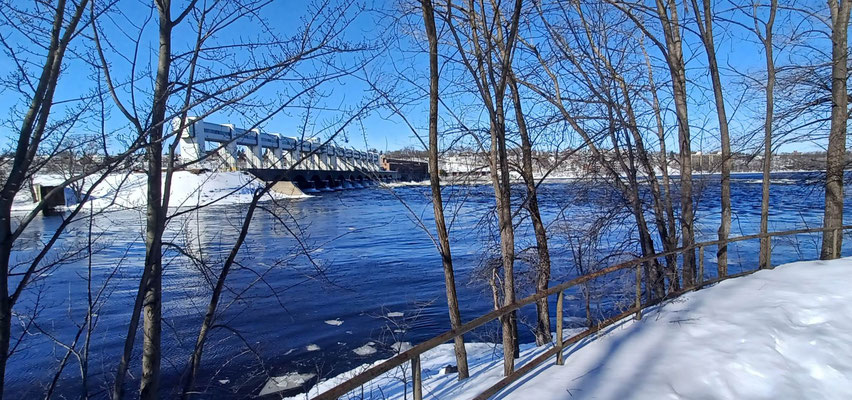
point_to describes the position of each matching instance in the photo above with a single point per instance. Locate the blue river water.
(363, 274)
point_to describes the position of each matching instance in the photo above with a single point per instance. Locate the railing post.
(638, 291)
(700, 266)
(559, 300)
(416, 379)
(835, 243)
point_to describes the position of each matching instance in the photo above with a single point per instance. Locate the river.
(371, 277)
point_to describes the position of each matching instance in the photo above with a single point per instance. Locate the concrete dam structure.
(307, 164)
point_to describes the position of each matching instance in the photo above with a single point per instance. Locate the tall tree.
(766, 40)
(488, 61)
(836, 155)
(672, 49)
(670, 242)
(435, 184)
(542, 267)
(704, 20)
(156, 214)
(667, 13)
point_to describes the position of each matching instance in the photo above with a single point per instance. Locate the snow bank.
(782, 333)
(188, 190)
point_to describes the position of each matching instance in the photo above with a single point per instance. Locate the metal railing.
(412, 355)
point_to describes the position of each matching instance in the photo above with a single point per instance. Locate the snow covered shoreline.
(781, 333)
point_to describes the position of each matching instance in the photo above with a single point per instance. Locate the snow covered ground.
(777, 334)
(188, 189)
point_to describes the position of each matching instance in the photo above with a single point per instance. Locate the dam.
(308, 164)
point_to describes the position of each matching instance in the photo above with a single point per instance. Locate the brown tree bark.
(653, 272)
(836, 155)
(489, 70)
(766, 38)
(542, 331)
(156, 216)
(435, 184)
(705, 31)
(667, 13)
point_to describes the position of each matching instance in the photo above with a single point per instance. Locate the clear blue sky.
(382, 129)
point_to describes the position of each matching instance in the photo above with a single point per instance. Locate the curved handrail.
(414, 353)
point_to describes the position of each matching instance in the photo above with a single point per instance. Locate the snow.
(784, 333)
(781, 333)
(189, 189)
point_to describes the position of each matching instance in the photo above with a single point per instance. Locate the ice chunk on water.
(365, 350)
(395, 314)
(312, 347)
(334, 322)
(289, 381)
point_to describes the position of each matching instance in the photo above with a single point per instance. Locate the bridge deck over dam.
(307, 163)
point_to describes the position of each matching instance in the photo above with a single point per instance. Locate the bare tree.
(705, 32)
(542, 266)
(610, 126)
(487, 57)
(671, 243)
(836, 156)
(435, 184)
(667, 13)
(766, 39)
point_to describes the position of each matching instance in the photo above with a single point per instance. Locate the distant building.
(409, 170)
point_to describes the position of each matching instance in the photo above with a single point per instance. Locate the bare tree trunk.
(766, 39)
(500, 180)
(490, 72)
(156, 218)
(836, 155)
(435, 183)
(542, 331)
(670, 240)
(500, 166)
(705, 30)
(667, 13)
